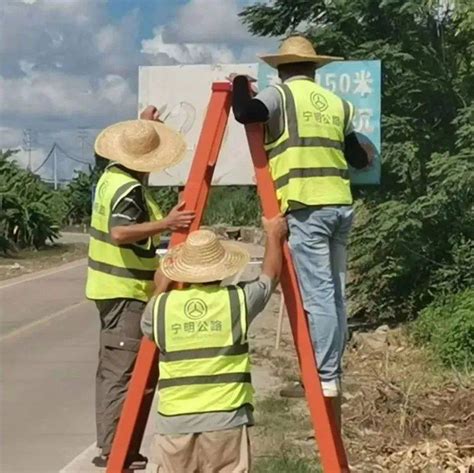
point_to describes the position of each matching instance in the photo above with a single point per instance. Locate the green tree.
(27, 207)
(414, 234)
(79, 195)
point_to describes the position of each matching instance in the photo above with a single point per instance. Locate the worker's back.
(201, 332)
(307, 160)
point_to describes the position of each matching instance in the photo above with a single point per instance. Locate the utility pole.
(55, 167)
(27, 144)
(82, 134)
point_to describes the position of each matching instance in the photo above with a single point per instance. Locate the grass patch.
(28, 261)
(285, 463)
(274, 413)
(280, 437)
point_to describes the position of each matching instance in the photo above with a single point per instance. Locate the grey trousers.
(120, 337)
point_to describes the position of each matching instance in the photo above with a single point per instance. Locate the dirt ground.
(28, 261)
(402, 413)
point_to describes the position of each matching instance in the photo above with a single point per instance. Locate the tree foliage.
(451, 339)
(79, 196)
(414, 235)
(28, 208)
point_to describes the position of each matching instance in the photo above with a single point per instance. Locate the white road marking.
(78, 464)
(42, 321)
(42, 274)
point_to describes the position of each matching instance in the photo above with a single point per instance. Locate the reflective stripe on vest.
(307, 161)
(204, 363)
(114, 271)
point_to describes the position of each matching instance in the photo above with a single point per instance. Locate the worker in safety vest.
(125, 228)
(310, 141)
(205, 393)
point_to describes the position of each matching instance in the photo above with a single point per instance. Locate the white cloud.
(208, 21)
(60, 97)
(205, 31)
(66, 63)
(185, 53)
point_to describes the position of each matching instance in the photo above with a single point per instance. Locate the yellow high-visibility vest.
(124, 271)
(307, 160)
(204, 362)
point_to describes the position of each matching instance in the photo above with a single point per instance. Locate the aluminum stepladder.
(131, 427)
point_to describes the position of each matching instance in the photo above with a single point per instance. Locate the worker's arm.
(146, 323)
(258, 292)
(268, 104)
(162, 283)
(276, 229)
(137, 232)
(246, 109)
(354, 153)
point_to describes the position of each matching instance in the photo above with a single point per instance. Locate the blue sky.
(70, 64)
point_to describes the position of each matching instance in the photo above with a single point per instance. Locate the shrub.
(446, 326)
(27, 207)
(231, 205)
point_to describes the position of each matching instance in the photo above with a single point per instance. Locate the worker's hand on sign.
(179, 218)
(276, 227)
(233, 75)
(251, 80)
(150, 113)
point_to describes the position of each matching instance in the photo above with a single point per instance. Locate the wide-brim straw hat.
(141, 145)
(296, 49)
(204, 258)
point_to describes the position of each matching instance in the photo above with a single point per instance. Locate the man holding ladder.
(309, 141)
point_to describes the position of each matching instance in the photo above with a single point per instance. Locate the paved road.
(48, 350)
(48, 356)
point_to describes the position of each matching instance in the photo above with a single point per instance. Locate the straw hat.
(203, 258)
(296, 49)
(141, 145)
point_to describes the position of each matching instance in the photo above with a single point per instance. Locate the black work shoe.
(294, 390)
(136, 462)
(133, 462)
(100, 461)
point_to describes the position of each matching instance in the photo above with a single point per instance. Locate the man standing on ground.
(205, 390)
(309, 140)
(125, 225)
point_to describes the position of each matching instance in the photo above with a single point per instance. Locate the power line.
(72, 157)
(46, 159)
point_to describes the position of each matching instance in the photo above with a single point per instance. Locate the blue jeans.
(318, 241)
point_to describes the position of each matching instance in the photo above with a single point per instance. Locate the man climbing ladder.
(309, 142)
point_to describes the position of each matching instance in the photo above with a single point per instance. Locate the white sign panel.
(182, 94)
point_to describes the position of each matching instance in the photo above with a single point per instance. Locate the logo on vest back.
(319, 102)
(195, 309)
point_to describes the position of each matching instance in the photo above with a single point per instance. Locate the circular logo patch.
(195, 309)
(319, 102)
(102, 189)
